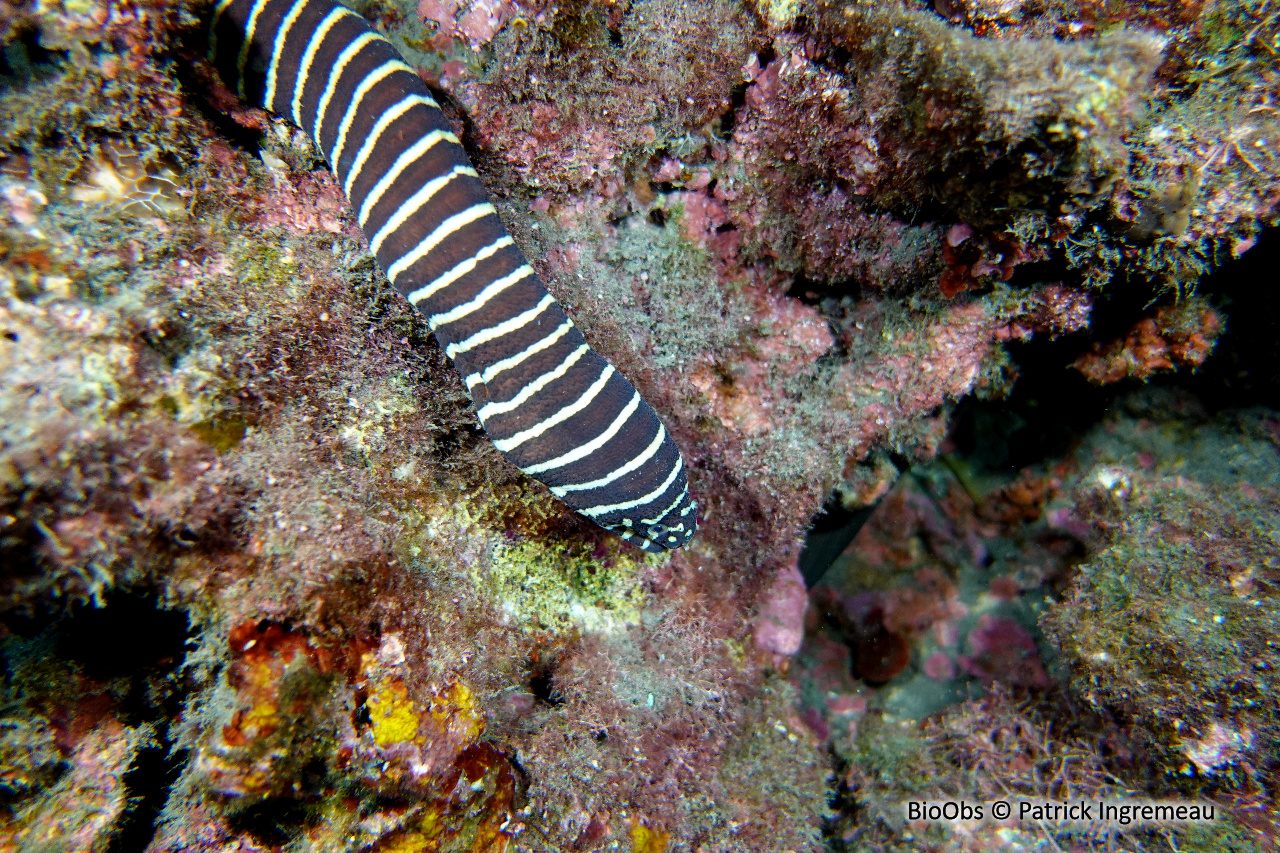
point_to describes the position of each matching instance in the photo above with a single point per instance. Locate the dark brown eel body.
(548, 401)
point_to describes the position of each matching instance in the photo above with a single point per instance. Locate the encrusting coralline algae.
(339, 620)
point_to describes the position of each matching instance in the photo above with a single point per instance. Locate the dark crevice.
(125, 656)
(833, 528)
(738, 95)
(1243, 369)
(544, 690)
(361, 717)
(834, 301)
(1052, 406)
(836, 58)
(23, 59)
(737, 99)
(199, 79)
(1034, 273)
(148, 782)
(273, 822)
(543, 686)
(314, 775)
(824, 294)
(131, 635)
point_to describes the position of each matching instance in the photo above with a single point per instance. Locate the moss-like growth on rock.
(574, 587)
(1174, 623)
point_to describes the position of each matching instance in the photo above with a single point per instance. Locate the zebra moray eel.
(549, 402)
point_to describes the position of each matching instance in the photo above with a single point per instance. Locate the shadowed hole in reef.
(133, 637)
(543, 686)
(23, 58)
(830, 532)
(738, 97)
(194, 77)
(1051, 405)
(273, 822)
(131, 634)
(1243, 369)
(148, 783)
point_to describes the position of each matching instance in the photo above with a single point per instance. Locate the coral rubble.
(265, 585)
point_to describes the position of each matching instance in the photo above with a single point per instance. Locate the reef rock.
(264, 582)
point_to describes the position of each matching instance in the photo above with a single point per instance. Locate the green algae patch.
(222, 432)
(563, 588)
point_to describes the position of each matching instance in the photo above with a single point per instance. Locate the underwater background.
(963, 314)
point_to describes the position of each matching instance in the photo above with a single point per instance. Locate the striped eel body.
(549, 402)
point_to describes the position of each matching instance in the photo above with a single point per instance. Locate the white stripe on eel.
(509, 444)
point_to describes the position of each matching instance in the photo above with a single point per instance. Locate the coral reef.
(264, 584)
(1169, 623)
(979, 126)
(1180, 335)
(1143, 555)
(981, 750)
